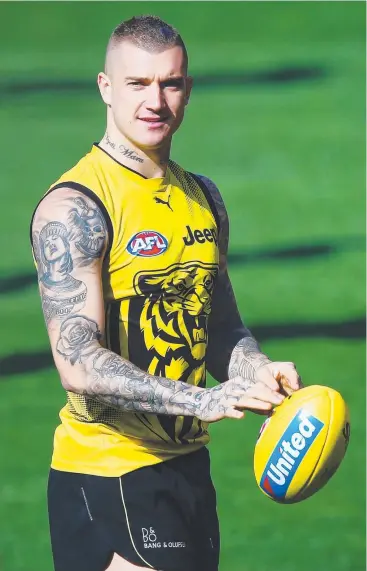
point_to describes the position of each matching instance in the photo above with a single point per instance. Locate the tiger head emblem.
(174, 318)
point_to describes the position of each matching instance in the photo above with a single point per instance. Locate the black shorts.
(162, 517)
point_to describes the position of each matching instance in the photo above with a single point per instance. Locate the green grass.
(289, 159)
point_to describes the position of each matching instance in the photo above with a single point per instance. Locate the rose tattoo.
(77, 336)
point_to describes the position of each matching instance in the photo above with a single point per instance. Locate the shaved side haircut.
(149, 33)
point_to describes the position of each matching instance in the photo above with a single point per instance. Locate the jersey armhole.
(90, 194)
(208, 197)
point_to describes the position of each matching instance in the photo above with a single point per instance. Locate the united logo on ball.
(289, 453)
(301, 445)
(147, 243)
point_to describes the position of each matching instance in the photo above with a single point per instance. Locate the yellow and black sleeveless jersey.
(158, 279)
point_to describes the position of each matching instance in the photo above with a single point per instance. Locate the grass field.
(277, 120)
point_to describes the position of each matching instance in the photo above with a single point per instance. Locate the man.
(146, 245)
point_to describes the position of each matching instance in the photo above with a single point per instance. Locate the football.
(301, 444)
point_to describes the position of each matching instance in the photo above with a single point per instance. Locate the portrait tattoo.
(87, 229)
(61, 293)
(77, 338)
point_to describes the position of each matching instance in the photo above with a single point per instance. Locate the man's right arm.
(69, 261)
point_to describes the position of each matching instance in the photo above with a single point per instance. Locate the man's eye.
(135, 83)
(177, 84)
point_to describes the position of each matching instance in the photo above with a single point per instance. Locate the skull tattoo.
(88, 229)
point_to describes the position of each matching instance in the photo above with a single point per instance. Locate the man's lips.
(153, 119)
(154, 122)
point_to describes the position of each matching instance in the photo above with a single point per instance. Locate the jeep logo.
(200, 236)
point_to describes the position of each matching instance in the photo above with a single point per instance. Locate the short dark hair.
(149, 33)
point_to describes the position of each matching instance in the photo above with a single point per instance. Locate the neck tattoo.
(125, 151)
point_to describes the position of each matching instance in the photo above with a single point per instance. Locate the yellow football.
(301, 444)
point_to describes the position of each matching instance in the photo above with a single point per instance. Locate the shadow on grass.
(282, 75)
(354, 329)
(300, 252)
(19, 282)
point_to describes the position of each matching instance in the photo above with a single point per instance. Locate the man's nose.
(155, 98)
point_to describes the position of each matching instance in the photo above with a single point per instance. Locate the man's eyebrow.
(173, 76)
(136, 78)
(169, 78)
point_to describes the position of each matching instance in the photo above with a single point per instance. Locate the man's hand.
(283, 374)
(230, 398)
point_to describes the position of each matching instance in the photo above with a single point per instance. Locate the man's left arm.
(232, 349)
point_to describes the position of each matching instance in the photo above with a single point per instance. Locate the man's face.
(147, 93)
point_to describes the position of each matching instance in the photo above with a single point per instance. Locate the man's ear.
(104, 85)
(189, 84)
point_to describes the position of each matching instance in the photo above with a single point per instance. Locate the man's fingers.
(265, 376)
(254, 404)
(286, 374)
(234, 413)
(263, 393)
(283, 381)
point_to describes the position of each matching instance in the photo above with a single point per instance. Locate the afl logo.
(147, 243)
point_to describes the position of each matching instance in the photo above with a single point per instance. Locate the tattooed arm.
(232, 349)
(70, 238)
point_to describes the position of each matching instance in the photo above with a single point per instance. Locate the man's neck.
(152, 165)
